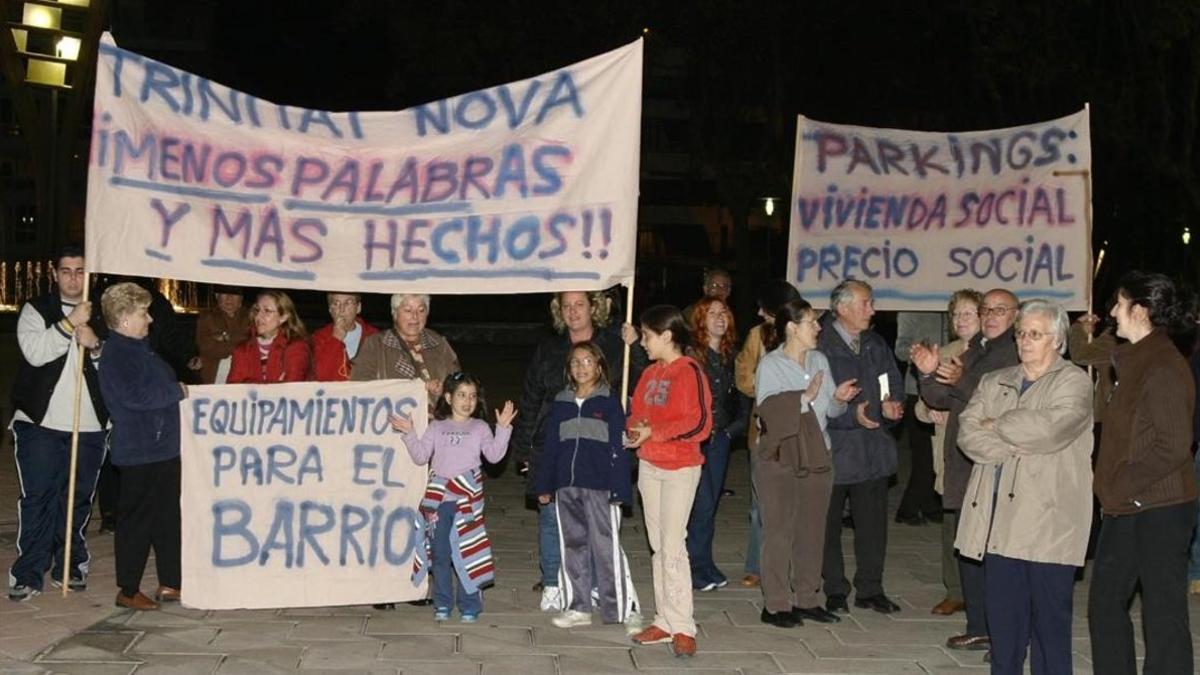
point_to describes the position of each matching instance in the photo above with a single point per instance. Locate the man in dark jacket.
(950, 388)
(48, 331)
(864, 452)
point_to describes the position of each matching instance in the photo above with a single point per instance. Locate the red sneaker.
(684, 646)
(652, 636)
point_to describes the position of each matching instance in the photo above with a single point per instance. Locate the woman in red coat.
(276, 350)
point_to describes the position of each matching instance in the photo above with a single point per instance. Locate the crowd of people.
(1003, 425)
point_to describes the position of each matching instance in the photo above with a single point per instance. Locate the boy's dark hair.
(453, 381)
(68, 251)
(597, 355)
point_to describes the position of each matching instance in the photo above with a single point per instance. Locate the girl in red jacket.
(670, 418)
(276, 350)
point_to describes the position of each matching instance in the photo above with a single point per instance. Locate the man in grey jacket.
(949, 387)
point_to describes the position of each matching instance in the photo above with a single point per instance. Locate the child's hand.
(505, 417)
(400, 423)
(637, 435)
(543, 499)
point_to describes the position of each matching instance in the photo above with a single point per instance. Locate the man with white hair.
(864, 452)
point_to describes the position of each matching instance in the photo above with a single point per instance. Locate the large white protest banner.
(920, 214)
(299, 495)
(530, 186)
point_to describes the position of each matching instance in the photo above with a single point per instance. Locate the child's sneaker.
(572, 618)
(469, 618)
(552, 600)
(441, 614)
(21, 593)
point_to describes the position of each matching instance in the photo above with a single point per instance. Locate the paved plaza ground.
(86, 634)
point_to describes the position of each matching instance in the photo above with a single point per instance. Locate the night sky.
(920, 64)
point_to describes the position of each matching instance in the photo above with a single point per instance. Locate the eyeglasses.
(995, 311)
(1034, 335)
(718, 284)
(585, 361)
(965, 315)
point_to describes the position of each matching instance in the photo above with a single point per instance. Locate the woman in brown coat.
(1146, 486)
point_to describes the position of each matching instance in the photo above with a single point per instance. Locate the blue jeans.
(1194, 563)
(701, 525)
(43, 457)
(446, 582)
(549, 553)
(754, 537)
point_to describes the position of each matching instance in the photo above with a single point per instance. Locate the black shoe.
(907, 519)
(837, 603)
(108, 526)
(880, 603)
(423, 602)
(780, 619)
(385, 605)
(935, 517)
(818, 614)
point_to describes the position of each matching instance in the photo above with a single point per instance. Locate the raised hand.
(950, 373)
(629, 334)
(925, 358)
(860, 414)
(505, 417)
(401, 423)
(847, 390)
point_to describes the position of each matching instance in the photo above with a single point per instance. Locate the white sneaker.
(572, 618)
(552, 600)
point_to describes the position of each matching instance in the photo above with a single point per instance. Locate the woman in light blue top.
(793, 470)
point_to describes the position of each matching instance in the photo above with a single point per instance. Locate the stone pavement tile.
(108, 646)
(344, 610)
(329, 628)
(405, 620)
(73, 621)
(92, 668)
(743, 615)
(26, 647)
(343, 655)
(407, 647)
(925, 655)
(10, 666)
(885, 632)
(598, 635)
(351, 670)
(169, 616)
(177, 641)
(264, 661)
(463, 666)
(488, 640)
(592, 660)
(241, 635)
(796, 664)
(243, 615)
(180, 665)
(710, 606)
(527, 664)
(660, 656)
(758, 639)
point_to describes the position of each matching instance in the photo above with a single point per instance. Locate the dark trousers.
(107, 492)
(701, 523)
(1029, 607)
(951, 578)
(973, 575)
(1152, 548)
(590, 550)
(868, 508)
(793, 515)
(919, 496)
(148, 516)
(43, 459)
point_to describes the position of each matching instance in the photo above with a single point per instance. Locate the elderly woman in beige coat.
(1028, 507)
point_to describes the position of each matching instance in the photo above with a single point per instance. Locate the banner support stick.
(625, 360)
(66, 572)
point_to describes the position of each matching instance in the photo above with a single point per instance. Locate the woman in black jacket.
(714, 346)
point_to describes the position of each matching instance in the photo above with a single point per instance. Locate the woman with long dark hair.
(1146, 485)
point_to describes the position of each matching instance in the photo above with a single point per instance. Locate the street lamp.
(1187, 236)
(769, 206)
